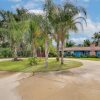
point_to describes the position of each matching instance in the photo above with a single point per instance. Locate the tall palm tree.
(46, 30)
(63, 18)
(52, 13)
(34, 32)
(68, 21)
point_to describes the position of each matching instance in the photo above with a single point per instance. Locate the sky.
(92, 7)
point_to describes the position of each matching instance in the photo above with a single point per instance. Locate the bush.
(24, 53)
(52, 51)
(5, 52)
(52, 54)
(92, 57)
(33, 61)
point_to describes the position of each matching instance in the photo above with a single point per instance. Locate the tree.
(14, 30)
(68, 21)
(96, 38)
(46, 32)
(86, 43)
(64, 19)
(52, 13)
(34, 33)
(70, 43)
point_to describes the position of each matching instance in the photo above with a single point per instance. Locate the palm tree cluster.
(94, 39)
(37, 30)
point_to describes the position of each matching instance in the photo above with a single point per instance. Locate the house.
(82, 51)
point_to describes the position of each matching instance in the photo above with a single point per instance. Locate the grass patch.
(23, 66)
(93, 59)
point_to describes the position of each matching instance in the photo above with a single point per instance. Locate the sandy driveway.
(75, 84)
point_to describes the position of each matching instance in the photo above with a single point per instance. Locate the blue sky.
(92, 8)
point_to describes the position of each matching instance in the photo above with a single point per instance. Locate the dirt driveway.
(76, 84)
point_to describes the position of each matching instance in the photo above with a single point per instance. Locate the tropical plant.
(46, 30)
(96, 38)
(34, 33)
(68, 20)
(64, 19)
(87, 43)
(33, 61)
(14, 30)
(70, 43)
(52, 13)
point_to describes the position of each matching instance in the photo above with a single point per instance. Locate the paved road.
(75, 84)
(8, 84)
(90, 69)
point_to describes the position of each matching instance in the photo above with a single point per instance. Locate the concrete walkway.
(7, 87)
(75, 84)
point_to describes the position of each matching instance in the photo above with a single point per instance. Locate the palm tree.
(70, 43)
(52, 13)
(34, 33)
(68, 21)
(21, 14)
(96, 38)
(63, 18)
(87, 43)
(14, 30)
(46, 32)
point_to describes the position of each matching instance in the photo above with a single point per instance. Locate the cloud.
(78, 40)
(33, 4)
(36, 11)
(87, 33)
(29, 4)
(91, 27)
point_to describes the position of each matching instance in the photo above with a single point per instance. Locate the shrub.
(92, 57)
(24, 53)
(52, 54)
(33, 61)
(5, 52)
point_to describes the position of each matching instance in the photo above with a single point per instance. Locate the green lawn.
(93, 59)
(23, 66)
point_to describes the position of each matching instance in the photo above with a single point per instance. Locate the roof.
(82, 49)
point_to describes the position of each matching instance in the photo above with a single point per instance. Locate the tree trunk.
(34, 52)
(40, 53)
(58, 54)
(62, 52)
(15, 53)
(46, 53)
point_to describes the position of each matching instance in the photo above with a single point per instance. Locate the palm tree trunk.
(46, 53)
(58, 54)
(15, 53)
(62, 52)
(34, 52)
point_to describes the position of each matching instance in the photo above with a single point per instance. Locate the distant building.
(82, 51)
